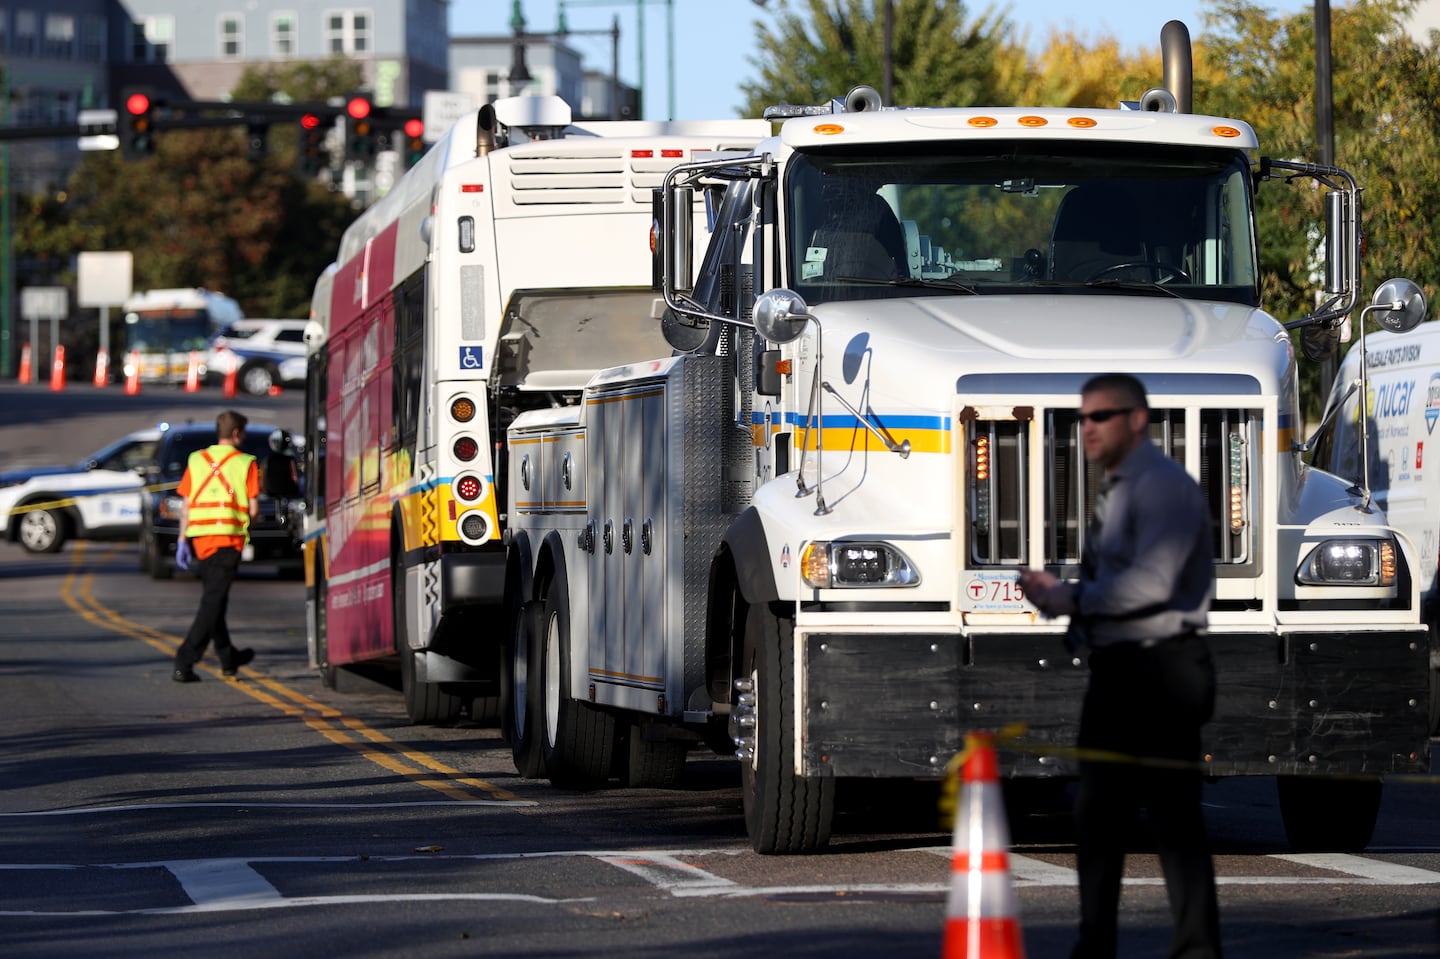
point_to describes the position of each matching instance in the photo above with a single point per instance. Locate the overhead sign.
(442, 109)
(97, 130)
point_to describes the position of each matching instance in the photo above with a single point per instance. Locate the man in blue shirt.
(1147, 578)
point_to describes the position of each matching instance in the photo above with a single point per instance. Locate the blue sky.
(712, 38)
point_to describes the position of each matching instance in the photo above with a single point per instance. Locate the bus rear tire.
(579, 738)
(425, 704)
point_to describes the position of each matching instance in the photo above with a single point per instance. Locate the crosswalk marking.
(235, 884)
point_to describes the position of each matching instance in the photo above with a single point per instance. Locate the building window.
(92, 39)
(347, 31)
(26, 32)
(282, 35)
(232, 36)
(151, 39)
(60, 36)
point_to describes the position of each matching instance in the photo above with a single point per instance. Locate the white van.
(1402, 407)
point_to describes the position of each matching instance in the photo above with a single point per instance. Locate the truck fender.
(740, 576)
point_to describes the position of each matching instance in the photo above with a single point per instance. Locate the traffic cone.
(102, 367)
(132, 373)
(192, 375)
(981, 920)
(57, 370)
(232, 370)
(25, 363)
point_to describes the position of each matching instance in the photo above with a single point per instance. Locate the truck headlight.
(855, 565)
(170, 507)
(1349, 562)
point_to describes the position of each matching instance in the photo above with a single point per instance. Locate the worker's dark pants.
(1147, 705)
(217, 572)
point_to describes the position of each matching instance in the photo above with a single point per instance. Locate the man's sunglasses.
(1100, 416)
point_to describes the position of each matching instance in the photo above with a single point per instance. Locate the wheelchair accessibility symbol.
(470, 357)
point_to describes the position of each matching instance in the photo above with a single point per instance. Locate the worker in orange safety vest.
(219, 491)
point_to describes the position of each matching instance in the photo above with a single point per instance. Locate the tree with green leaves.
(938, 57)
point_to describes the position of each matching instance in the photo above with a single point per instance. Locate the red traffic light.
(310, 121)
(414, 128)
(137, 104)
(358, 108)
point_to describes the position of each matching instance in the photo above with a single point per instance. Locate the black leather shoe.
(185, 676)
(242, 656)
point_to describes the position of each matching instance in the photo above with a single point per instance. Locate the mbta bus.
(502, 271)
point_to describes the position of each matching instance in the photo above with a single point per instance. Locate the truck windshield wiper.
(945, 283)
(1111, 284)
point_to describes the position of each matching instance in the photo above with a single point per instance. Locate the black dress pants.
(217, 572)
(1146, 702)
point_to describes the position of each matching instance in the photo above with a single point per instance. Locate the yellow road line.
(405, 761)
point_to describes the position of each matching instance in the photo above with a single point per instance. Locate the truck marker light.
(827, 129)
(815, 565)
(1083, 123)
(1237, 491)
(642, 154)
(983, 122)
(1387, 563)
(472, 188)
(1032, 121)
(468, 488)
(462, 409)
(465, 448)
(673, 154)
(784, 367)
(1228, 132)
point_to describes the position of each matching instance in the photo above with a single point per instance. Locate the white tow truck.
(800, 531)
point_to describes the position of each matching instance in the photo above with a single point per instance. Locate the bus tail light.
(468, 488)
(465, 448)
(462, 409)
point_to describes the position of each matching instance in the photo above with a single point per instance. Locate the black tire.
(522, 706)
(1328, 815)
(160, 567)
(579, 738)
(424, 702)
(658, 764)
(784, 813)
(143, 548)
(485, 710)
(42, 530)
(257, 378)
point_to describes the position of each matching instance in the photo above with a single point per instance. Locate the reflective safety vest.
(219, 504)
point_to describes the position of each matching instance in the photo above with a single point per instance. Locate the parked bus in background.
(496, 277)
(163, 327)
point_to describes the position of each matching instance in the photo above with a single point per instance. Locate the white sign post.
(106, 280)
(44, 303)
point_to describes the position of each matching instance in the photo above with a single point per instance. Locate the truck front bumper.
(899, 705)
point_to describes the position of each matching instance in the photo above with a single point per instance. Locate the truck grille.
(1001, 460)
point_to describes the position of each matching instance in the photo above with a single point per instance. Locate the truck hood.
(949, 337)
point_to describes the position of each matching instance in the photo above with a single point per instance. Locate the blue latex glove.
(184, 555)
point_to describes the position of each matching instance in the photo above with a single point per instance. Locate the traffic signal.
(360, 129)
(412, 143)
(312, 155)
(257, 139)
(137, 124)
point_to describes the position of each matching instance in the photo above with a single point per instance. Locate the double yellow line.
(405, 762)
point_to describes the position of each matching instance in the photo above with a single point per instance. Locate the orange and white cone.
(132, 373)
(981, 920)
(57, 370)
(232, 367)
(25, 364)
(102, 367)
(192, 374)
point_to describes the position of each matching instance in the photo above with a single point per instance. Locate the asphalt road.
(272, 817)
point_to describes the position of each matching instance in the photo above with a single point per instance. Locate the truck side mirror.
(1407, 305)
(781, 315)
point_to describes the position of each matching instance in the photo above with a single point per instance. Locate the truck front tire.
(784, 813)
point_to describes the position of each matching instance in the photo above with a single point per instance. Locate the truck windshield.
(1017, 218)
